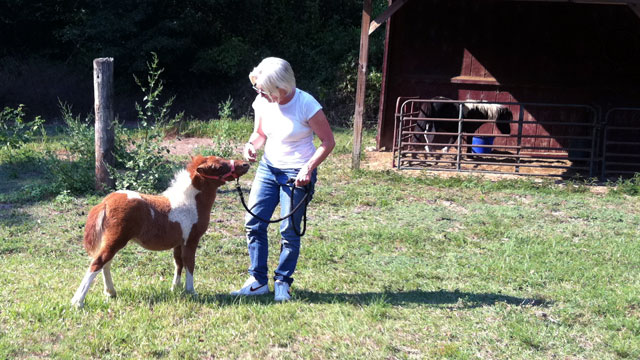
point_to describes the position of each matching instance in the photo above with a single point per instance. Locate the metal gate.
(621, 143)
(544, 140)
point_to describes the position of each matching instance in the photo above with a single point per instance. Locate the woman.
(285, 120)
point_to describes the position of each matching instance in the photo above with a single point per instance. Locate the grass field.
(395, 265)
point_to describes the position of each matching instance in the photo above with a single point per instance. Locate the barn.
(569, 71)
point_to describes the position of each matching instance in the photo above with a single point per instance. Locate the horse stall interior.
(567, 71)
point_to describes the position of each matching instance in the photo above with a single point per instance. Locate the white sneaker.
(282, 291)
(251, 287)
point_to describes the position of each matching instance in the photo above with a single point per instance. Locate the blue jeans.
(270, 188)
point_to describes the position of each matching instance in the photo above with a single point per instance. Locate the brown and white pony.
(174, 220)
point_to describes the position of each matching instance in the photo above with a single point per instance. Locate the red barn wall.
(511, 51)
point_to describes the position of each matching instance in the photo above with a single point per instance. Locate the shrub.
(225, 109)
(15, 132)
(73, 167)
(630, 186)
(140, 160)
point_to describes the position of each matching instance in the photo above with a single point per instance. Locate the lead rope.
(305, 200)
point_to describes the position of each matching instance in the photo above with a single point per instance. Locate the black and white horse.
(443, 133)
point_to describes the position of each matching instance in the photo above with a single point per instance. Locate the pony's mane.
(491, 111)
(180, 183)
(487, 110)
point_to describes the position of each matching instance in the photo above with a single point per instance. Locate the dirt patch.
(383, 160)
(186, 146)
(176, 146)
(377, 160)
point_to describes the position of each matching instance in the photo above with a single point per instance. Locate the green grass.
(395, 265)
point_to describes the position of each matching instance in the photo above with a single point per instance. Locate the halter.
(222, 177)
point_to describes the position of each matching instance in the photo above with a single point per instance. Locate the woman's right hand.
(249, 152)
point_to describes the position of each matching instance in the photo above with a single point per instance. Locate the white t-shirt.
(289, 137)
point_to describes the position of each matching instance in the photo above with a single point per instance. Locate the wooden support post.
(362, 79)
(104, 137)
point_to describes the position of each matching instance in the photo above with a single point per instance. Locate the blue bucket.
(481, 140)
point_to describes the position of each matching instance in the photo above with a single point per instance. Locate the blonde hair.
(272, 74)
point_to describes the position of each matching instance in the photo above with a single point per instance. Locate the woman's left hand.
(303, 178)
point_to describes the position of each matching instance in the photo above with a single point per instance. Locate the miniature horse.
(450, 110)
(174, 220)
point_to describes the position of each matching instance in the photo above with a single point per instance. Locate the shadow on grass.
(459, 299)
(454, 299)
(24, 182)
(14, 222)
(10, 216)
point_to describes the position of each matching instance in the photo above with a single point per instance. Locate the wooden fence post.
(103, 104)
(360, 89)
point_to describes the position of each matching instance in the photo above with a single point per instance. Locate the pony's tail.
(94, 229)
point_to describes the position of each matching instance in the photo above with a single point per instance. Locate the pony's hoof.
(110, 294)
(77, 304)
